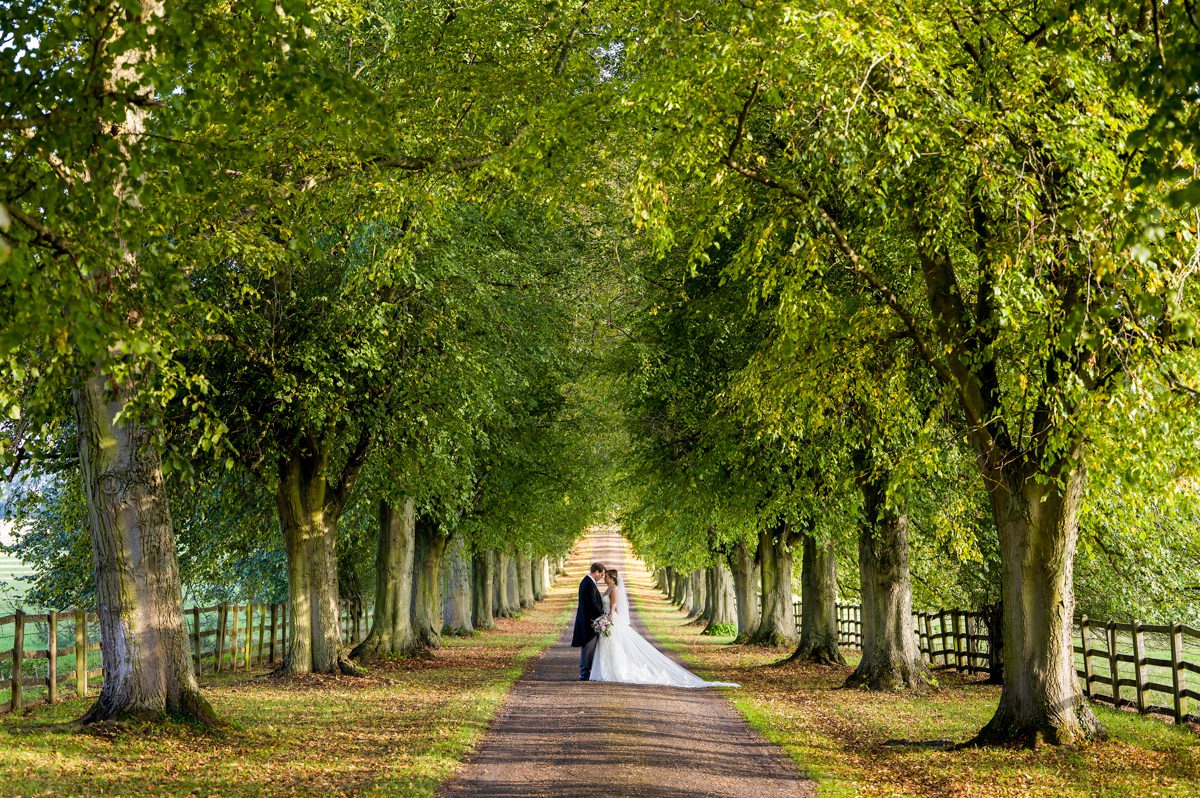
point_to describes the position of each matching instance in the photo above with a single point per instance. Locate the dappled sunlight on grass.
(400, 730)
(859, 743)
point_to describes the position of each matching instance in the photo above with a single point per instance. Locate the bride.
(626, 656)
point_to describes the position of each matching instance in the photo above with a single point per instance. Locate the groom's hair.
(597, 568)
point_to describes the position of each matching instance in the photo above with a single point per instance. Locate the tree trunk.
(525, 579)
(143, 640)
(427, 592)
(315, 637)
(818, 606)
(672, 585)
(502, 592)
(746, 577)
(699, 596)
(723, 613)
(541, 578)
(709, 594)
(513, 584)
(483, 569)
(891, 659)
(1038, 523)
(458, 605)
(777, 624)
(391, 628)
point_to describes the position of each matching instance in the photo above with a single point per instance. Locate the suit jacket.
(591, 607)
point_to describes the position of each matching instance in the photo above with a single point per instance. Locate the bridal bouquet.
(602, 626)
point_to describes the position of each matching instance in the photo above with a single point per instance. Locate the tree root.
(191, 707)
(827, 655)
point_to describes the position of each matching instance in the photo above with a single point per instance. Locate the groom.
(590, 608)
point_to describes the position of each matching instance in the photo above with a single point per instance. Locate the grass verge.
(856, 743)
(401, 730)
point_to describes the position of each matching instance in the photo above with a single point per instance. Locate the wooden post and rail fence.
(1153, 668)
(223, 638)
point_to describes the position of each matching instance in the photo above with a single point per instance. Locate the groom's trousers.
(586, 654)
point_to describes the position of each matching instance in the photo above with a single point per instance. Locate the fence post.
(956, 625)
(222, 613)
(18, 654)
(249, 636)
(1087, 668)
(81, 653)
(52, 657)
(262, 629)
(196, 641)
(968, 624)
(1177, 672)
(1138, 674)
(271, 649)
(928, 636)
(1113, 669)
(233, 647)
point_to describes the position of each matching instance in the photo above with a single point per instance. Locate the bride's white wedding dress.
(626, 656)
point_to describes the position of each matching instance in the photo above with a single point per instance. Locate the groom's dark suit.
(591, 607)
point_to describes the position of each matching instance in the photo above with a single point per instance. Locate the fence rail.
(1122, 664)
(222, 638)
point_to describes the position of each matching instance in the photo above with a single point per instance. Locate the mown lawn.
(401, 730)
(862, 744)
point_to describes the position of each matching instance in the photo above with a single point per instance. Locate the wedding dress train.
(625, 656)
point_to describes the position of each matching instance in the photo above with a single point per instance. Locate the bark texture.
(458, 602)
(723, 613)
(777, 623)
(540, 578)
(891, 659)
(315, 640)
(391, 627)
(1038, 524)
(501, 592)
(696, 597)
(513, 584)
(818, 606)
(525, 579)
(144, 643)
(427, 590)
(483, 569)
(746, 579)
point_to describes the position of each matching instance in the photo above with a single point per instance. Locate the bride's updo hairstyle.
(612, 572)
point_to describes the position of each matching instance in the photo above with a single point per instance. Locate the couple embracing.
(611, 650)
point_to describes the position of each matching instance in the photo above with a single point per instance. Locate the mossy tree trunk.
(513, 584)
(777, 624)
(308, 514)
(458, 604)
(525, 578)
(483, 570)
(143, 640)
(696, 597)
(502, 592)
(391, 632)
(427, 589)
(818, 602)
(891, 659)
(1037, 516)
(723, 612)
(746, 578)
